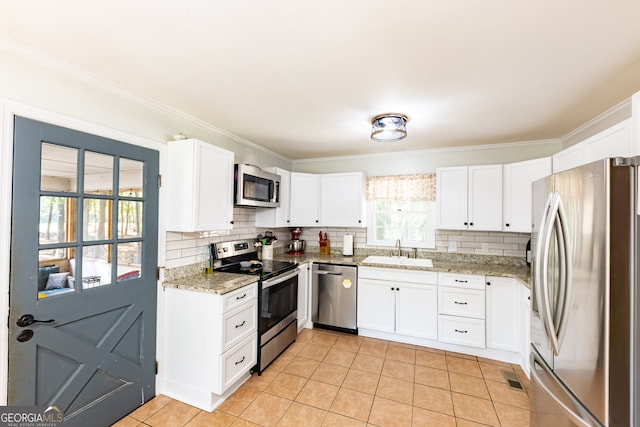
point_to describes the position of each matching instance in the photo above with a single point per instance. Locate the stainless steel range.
(277, 296)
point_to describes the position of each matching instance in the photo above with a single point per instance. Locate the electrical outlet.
(453, 246)
(485, 247)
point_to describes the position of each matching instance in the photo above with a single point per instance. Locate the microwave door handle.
(566, 276)
(543, 289)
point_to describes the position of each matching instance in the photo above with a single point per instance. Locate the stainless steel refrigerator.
(584, 319)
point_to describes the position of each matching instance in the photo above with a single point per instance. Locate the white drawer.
(235, 298)
(468, 281)
(461, 330)
(461, 302)
(237, 362)
(239, 324)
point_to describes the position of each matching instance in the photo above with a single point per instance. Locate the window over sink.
(402, 207)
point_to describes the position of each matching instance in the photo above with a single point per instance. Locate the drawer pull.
(243, 296)
(240, 361)
(244, 321)
(460, 303)
(460, 331)
(461, 281)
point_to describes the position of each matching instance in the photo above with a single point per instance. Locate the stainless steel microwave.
(255, 187)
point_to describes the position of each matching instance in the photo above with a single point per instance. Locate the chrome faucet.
(399, 247)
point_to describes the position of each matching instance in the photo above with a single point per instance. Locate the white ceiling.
(304, 78)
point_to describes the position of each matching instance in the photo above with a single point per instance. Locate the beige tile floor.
(333, 379)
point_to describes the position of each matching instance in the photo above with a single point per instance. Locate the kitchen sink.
(394, 260)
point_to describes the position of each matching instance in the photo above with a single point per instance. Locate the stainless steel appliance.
(254, 187)
(277, 295)
(585, 304)
(296, 246)
(334, 291)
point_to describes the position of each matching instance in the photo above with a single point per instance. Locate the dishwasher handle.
(330, 273)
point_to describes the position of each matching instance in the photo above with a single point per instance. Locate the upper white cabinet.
(199, 186)
(280, 216)
(516, 202)
(470, 197)
(615, 141)
(328, 200)
(305, 199)
(342, 199)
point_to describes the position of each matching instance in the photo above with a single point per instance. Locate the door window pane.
(96, 266)
(96, 224)
(98, 173)
(129, 260)
(58, 168)
(57, 220)
(55, 273)
(131, 178)
(129, 219)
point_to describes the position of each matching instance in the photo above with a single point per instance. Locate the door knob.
(27, 320)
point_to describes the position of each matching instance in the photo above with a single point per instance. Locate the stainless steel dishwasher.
(334, 291)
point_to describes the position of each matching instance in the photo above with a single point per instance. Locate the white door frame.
(9, 109)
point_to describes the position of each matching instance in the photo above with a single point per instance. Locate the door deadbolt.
(25, 335)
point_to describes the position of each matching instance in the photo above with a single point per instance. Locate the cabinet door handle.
(466, 223)
(243, 296)
(460, 331)
(507, 225)
(470, 223)
(244, 321)
(240, 361)
(460, 303)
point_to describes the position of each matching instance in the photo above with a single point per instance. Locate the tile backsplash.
(193, 248)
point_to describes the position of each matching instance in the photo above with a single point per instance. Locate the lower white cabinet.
(304, 297)
(503, 313)
(525, 322)
(210, 343)
(400, 302)
(461, 309)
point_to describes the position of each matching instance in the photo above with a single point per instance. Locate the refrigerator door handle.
(566, 272)
(542, 289)
(577, 419)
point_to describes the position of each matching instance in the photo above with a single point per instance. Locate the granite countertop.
(221, 283)
(215, 283)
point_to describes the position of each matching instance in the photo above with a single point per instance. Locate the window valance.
(402, 187)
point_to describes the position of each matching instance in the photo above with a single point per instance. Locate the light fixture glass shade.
(389, 127)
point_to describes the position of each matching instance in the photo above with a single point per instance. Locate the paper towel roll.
(347, 245)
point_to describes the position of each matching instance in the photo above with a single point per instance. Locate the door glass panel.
(96, 223)
(57, 220)
(54, 272)
(58, 168)
(49, 254)
(96, 265)
(98, 173)
(129, 219)
(129, 260)
(131, 178)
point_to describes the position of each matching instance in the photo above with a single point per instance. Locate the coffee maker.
(296, 246)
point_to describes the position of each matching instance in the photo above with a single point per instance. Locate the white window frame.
(371, 235)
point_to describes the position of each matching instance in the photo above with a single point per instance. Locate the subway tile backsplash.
(193, 248)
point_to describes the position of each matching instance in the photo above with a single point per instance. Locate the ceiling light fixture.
(389, 127)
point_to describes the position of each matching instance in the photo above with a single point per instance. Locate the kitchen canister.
(267, 252)
(347, 245)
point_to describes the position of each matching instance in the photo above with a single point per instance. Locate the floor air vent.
(512, 381)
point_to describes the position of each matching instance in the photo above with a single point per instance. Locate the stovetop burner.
(231, 254)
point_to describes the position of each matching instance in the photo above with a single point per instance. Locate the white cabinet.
(399, 302)
(305, 199)
(525, 319)
(280, 216)
(199, 186)
(461, 309)
(470, 197)
(516, 203)
(342, 199)
(615, 141)
(210, 343)
(328, 200)
(503, 314)
(304, 297)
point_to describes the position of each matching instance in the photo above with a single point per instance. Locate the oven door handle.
(279, 279)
